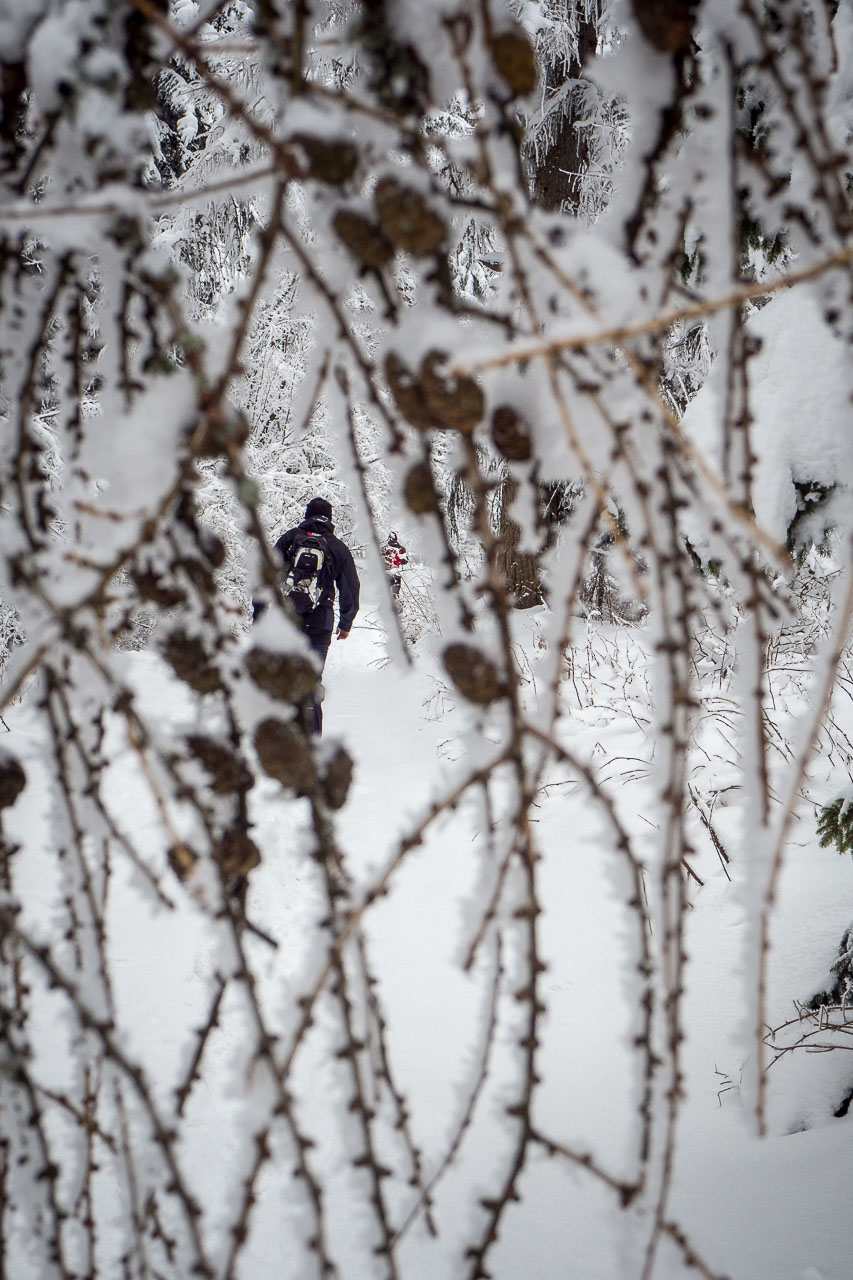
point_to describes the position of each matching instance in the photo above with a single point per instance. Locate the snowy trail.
(756, 1210)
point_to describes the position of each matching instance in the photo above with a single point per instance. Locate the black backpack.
(306, 579)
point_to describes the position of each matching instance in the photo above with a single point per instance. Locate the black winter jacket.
(340, 572)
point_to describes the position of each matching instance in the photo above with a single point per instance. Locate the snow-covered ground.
(755, 1209)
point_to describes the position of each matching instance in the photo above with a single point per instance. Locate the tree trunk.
(520, 568)
(556, 180)
(555, 184)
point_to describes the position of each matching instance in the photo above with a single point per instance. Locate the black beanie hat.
(318, 507)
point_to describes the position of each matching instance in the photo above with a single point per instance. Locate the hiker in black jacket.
(316, 535)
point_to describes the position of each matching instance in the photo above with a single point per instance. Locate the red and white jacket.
(395, 557)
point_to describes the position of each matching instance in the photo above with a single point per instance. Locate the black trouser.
(319, 642)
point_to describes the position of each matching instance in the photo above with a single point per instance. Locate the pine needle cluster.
(835, 825)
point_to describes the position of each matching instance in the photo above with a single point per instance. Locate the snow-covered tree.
(246, 246)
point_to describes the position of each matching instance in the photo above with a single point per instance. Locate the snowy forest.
(538, 962)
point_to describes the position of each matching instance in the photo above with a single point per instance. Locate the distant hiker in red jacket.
(395, 560)
(315, 564)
